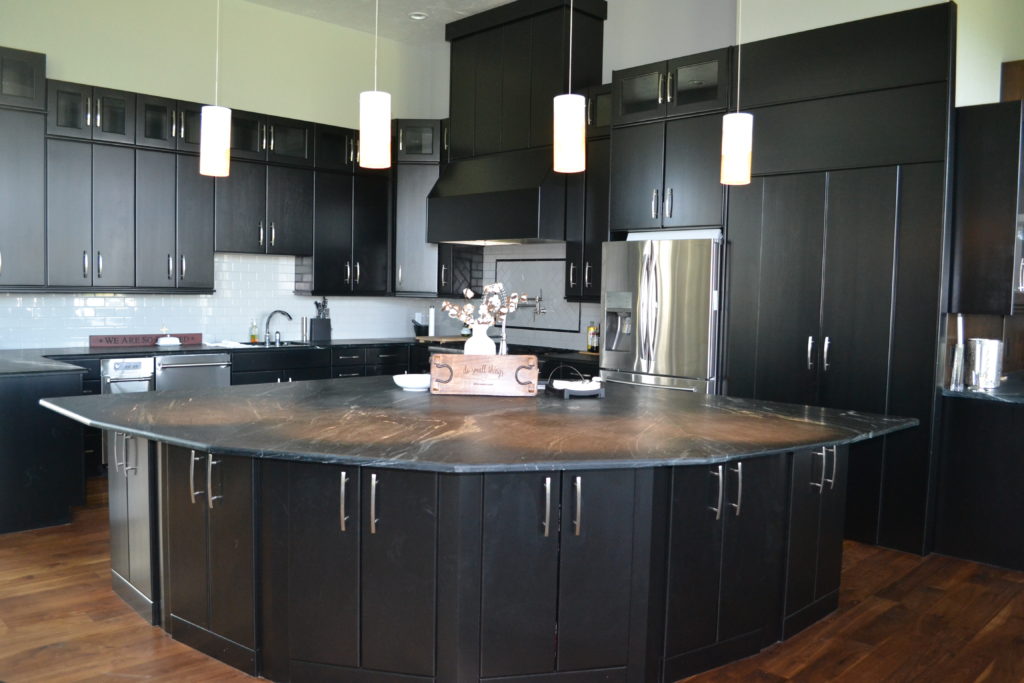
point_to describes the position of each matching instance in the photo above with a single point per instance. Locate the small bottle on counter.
(593, 337)
(254, 332)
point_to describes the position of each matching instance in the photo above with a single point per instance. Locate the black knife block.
(319, 330)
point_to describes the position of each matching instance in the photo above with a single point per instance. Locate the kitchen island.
(350, 531)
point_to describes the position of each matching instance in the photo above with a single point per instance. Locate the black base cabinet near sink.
(301, 571)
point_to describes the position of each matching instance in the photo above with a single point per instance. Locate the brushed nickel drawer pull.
(343, 484)
(373, 503)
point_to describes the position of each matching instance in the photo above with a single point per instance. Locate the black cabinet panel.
(693, 194)
(638, 93)
(515, 82)
(232, 550)
(290, 141)
(241, 207)
(332, 258)
(156, 122)
(323, 523)
(596, 216)
(22, 203)
(743, 258)
(186, 591)
(808, 475)
(638, 160)
(462, 109)
(22, 79)
(69, 110)
(418, 141)
(370, 235)
(248, 136)
(113, 216)
(833, 512)
(114, 119)
(68, 213)
(335, 148)
(156, 250)
(398, 569)
(289, 211)
(890, 51)
(487, 106)
(698, 83)
(900, 126)
(195, 218)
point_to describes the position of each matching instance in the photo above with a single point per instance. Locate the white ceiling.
(394, 15)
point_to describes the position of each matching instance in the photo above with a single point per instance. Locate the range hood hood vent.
(505, 198)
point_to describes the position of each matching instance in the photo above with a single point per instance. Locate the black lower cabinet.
(726, 535)
(210, 589)
(551, 543)
(817, 506)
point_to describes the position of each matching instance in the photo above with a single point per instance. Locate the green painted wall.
(271, 62)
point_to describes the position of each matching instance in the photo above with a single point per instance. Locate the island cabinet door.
(323, 564)
(188, 585)
(232, 549)
(398, 568)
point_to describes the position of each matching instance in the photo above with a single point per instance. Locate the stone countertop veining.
(1010, 390)
(370, 421)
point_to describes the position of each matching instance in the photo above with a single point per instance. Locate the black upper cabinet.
(270, 138)
(22, 203)
(155, 196)
(167, 124)
(599, 110)
(335, 148)
(332, 246)
(459, 267)
(370, 234)
(248, 135)
(666, 174)
(415, 258)
(462, 107)
(587, 224)
(265, 210)
(417, 140)
(194, 225)
(988, 210)
(289, 211)
(686, 85)
(82, 111)
(22, 79)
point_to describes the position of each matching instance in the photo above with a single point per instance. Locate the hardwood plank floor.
(900, 618)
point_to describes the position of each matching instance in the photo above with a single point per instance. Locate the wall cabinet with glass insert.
(271, 138)
(686, 85)
(82, 111)
(167, 124)
(22, 79)
(417, 140)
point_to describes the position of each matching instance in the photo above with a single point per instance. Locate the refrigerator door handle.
(654, 309)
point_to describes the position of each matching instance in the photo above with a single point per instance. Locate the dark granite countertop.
(1010, 390)
(370, 421)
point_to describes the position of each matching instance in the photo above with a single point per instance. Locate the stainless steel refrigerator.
(660, 302)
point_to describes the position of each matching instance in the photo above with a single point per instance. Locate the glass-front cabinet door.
(248, 135)
(335, 148)
(189, 119)
(22, 79)
(156, 122)
(114, 118)
(289, 141)
(639, 93)
(81, 111)
(698, 83)
(599, 110)
(418, 140)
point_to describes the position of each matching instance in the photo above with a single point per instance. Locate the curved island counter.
(345, 530)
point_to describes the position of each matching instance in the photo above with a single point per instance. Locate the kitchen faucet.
(266, 334)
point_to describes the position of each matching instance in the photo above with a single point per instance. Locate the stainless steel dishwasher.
(132, 470)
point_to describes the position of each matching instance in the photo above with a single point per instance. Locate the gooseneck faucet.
(266, 334)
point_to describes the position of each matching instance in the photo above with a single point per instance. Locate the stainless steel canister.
(984, 363)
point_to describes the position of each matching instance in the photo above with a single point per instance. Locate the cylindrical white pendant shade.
(215, 141)
(737, 140)
(375, 129)
(570, 134)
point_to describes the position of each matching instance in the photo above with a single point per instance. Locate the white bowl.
(413, 382)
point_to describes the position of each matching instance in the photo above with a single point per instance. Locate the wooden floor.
(901, 618)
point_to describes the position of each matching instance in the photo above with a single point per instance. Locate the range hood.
(505, 198)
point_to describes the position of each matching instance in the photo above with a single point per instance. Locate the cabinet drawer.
(386, 369)
(387, 355)
(256, 377)
(348, 356)
(349, 371)
(302, 374)
(280, 359)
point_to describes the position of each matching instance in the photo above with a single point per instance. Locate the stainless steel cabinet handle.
(192, 493)
(347, 374)
(184, 266)
(810, 353)
(669, 196)
(445, 140)
(661, 83)
(586, 276)
(590, 109)
(717, 472)
(820, 484)
(738, 505)
(85, 264)
(124, 453)
(261, 233)
(357, 272)
(444, 283)
(350, 144)
(185, 366)
(399, 274)
(654, 203)
(88, 111)
(181, 128)
(99, 108)
(348, 272)
(1, 262)
(373, 504)
(170, 267)
(387, 355)
(271, 138)
(401, 139)
(668, 87)
(263, 145)
(210, 462)
(547, 507)
(1020, 276)
(342, 486)
(273, 233)
(117, 463)
(831, 481)
(578, 522)
(174, 125)
(357, 150)
(828, 343)
(348, 357)
(99, 264)
(572, 269)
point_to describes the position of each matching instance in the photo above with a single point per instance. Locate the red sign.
(111, 340)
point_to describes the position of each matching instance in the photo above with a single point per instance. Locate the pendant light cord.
(739, 51)
(376, 32)
(571, 13)
(216, 61)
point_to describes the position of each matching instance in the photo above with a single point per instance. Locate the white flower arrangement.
(495, 306)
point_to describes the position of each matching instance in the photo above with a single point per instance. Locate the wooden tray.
(459, 374)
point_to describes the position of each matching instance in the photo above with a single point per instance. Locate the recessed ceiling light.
(418, 16)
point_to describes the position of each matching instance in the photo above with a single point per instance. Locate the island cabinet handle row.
(192, 492)
(824, 479)
(343, 485)
(719, 473)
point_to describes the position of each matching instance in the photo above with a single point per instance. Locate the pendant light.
(737, 128)
(215, 126)
(570, 126)
(375, 115)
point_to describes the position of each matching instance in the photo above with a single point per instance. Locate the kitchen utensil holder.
(319, 330)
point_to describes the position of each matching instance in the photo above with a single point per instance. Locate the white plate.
(413, 382)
